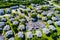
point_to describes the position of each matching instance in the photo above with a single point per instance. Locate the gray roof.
(14, 7)
(2, 24)
(1, 11)
(8, 10)
(29, 34)
(6, 28)
(3, 19)
(20, 34)
(21, 27)
(46, 31)
(49, 22)
(9, 34)
(15, 22)
(57, 23)
(44, 13)
(54, 18)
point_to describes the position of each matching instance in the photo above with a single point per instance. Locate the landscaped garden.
(29, 20)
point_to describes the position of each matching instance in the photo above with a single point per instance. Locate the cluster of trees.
(8, 3)
(22, 1)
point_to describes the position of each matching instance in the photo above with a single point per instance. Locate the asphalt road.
(1, 37)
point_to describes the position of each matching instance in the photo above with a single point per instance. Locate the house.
(3, 19)
(1, 11)
(38, 33)
(57, 23)
(22, 6)
(20, 34)
(9, 34)
(51, 27)
(11, 19)
(21, 27)
(8, 11)
(54, 18)
(45, 30)
(6, 28)
(15, 22)
(2, 24)
(44, 18)
(44, 13)
(49, 22)
(29, 34)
